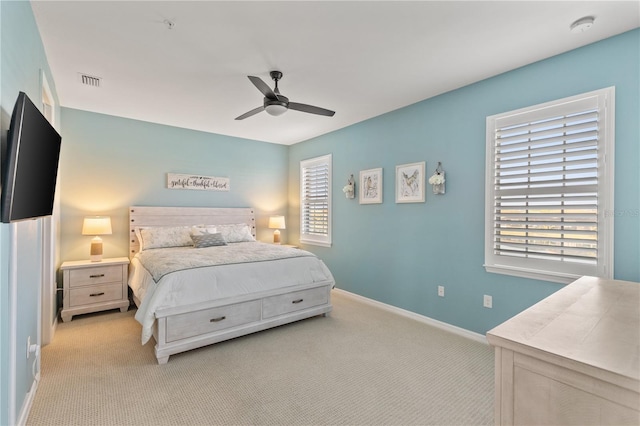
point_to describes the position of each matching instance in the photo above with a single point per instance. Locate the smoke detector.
(582, 25)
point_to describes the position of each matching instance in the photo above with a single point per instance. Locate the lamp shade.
(96, 225)
(277, 222)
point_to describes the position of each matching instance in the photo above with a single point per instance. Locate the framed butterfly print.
(410, 183)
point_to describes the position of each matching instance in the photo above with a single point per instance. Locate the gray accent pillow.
(208, 240)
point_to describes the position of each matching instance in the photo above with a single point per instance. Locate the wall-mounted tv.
(30, 164)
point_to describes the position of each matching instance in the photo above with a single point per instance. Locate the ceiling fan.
(277, 104)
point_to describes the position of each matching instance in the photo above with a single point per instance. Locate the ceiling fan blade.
(250, 113)
(311, 109)
(263, 88)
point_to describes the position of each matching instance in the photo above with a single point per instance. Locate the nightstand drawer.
(96, 294)
(95, 275)
(291, 302)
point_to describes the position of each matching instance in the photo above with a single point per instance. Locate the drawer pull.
(97, 294)
(297, 301)
(217, 319)
(96, 276)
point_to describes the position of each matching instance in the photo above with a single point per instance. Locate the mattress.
(186, 286)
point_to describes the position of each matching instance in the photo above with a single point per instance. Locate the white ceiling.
(360, 59)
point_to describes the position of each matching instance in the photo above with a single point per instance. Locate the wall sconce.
(277, 223)
(350, 188)
(437, 180)
(96, 225)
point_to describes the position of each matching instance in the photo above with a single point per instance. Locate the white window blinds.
(315, 201)
(548, 188)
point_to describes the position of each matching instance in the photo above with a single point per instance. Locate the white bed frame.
(180, 329)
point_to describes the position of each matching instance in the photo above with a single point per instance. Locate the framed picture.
(371, 186)
(410, 183)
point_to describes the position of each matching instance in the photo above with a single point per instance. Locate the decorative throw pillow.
(203, 230)
(236, 233)
(161, 237)
(208, 240)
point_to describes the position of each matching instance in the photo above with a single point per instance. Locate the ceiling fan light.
(275, 109)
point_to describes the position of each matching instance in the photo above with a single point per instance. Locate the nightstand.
(94, 286)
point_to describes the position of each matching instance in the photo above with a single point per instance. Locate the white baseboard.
(426, 320)
(28, 402)
(54, 327)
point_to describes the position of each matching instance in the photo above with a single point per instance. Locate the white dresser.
(571, 359)
(94, 286)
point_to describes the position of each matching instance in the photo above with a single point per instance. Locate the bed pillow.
(236, 233)
(208, 240)
(203, 230)
(161, 237)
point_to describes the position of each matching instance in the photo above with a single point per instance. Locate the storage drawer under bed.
(191, 324)
(296, 301)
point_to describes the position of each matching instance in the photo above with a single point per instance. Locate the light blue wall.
(109, 163)
(395, 253)
(399, 253)
(22, 58)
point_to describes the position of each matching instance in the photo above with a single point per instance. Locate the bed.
(221, 284)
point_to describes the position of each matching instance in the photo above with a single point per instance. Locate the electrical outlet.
(441, 291)
(488, 301)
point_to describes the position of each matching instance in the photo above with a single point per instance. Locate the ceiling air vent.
(89, 80)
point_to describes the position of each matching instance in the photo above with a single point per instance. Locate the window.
(549, 187)
(315, 201)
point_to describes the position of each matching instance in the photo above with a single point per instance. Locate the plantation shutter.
(547, 203)
(315, 217)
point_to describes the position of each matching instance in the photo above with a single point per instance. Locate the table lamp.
(277, 223)
(96, 225)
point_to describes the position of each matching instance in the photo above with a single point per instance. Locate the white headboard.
(184, 216)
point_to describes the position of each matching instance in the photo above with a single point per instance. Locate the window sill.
(555, 277)
(315, 243)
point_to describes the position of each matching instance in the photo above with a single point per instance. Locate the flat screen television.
(30, 164)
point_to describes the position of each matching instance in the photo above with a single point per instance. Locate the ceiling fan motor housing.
(282, 100)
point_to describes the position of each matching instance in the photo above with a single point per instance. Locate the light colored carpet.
(361, 365)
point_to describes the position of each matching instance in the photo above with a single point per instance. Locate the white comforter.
(215, 282)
